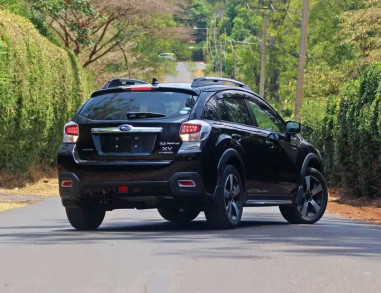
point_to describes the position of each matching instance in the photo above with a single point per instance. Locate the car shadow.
(332, 236)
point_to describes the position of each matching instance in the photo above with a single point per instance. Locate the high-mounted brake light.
(141, 89)
(194, 130)
(71, 132)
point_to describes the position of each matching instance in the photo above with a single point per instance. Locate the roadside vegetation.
(41, 87)
(54, 53)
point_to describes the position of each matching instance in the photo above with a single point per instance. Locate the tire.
(226, 211)
(85, 218)
(179, 216)
(314, 201)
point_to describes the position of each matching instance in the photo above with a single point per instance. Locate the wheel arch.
(231, 157)
(311, 161)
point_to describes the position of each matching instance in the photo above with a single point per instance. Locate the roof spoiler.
(122, 82)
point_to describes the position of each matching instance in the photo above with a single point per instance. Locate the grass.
(38, 181)
(7, 206)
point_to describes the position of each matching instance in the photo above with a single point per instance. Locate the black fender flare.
(307, 160)
(225, 157)
(229, 154)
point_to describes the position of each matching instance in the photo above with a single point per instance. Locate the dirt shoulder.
(16, 192)
(363, 209)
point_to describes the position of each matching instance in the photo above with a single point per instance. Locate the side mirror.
(293, 127)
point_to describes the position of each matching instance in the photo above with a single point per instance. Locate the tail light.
(194, 130)
(71, 132)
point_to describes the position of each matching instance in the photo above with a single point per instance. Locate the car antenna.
(155, 81)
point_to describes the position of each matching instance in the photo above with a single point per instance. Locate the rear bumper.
(149, 185)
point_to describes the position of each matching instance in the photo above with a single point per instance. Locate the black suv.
(213, 146)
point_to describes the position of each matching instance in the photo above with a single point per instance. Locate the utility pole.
(215, 43)
(264, 41)
(220, 59)
(302, 59)
(235, 61)
(263, 57)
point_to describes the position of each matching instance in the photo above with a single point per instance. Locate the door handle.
(270, 144)
(237, 137)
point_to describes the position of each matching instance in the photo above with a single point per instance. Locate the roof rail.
(207, 81)
(122, 82)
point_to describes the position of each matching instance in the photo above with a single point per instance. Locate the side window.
(211, 110)
(237, 110)
(265, 119)
(223, 111)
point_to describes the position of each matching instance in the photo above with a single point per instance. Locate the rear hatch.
(138, 125)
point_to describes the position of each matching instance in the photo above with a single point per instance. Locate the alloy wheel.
(312, 197)
(232, 197)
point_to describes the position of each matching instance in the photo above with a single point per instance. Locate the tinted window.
(211, 110)
(237, 110)
(264, 118)
(224, 114)
(115, 106)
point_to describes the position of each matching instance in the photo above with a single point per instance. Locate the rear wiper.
(141, 115)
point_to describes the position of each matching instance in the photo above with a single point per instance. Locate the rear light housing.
(195, 130)
(71, 132)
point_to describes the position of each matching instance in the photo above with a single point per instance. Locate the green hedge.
(41, 87)
(350, 135)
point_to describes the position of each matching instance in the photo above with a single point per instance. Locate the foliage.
(199, 18)
(96, 29)
(349, 135)
(361, 29)
(70, 15)
(41, 87)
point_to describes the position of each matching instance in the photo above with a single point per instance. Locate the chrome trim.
(269, 201)
(132, 130)
(78, 161)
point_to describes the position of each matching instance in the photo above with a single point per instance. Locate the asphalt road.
(184, 72)
(137, 251)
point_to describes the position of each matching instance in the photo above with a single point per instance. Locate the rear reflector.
(186, 183)
(122, 189)
(141, 89)
(66, 183)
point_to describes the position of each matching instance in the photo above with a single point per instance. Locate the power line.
(289, 15)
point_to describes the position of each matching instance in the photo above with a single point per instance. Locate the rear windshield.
(116, 106)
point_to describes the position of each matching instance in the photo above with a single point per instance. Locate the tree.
(94, 29)
(199, 18)
(361, 29)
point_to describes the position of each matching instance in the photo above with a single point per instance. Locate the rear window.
(116, 106)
